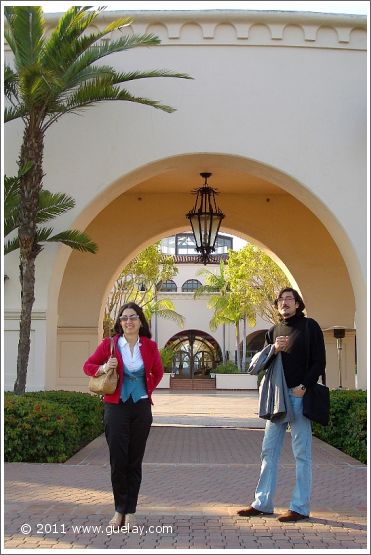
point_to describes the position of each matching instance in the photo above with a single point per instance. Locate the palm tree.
(50, 76)
(164, 308)
(217, 285)
(51, 205)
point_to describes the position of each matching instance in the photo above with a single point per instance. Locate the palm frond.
(91, 93)
(26, 33)
(11, 204)
(169, 314)
(12, 199)
(14, 113)
(43, 234)
(75, 239)
(11, 245)
(71, 25)
(134, 75)
(52, 205)
(11, 222)
(73, 57)
(11, 194)
(10, 83)
(68, 41)
(94, 52)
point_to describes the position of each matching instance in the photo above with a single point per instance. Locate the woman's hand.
(111, 364)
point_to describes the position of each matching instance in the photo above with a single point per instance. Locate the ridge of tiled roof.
(193, 259)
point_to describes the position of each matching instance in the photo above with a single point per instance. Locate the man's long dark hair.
(297, 297)
(144, 330)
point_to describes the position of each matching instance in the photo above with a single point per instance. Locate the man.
(300, 341)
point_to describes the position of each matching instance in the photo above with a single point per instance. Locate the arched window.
(167, 286)
(191, 285)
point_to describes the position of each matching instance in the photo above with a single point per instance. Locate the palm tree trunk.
(27, 279)
(238, 345)
(30, 184)
(244, 345)
(223, 346)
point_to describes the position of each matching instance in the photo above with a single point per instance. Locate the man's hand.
(298, 391)
(281, 343)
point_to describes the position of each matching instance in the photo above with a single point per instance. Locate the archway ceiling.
(225, 178)
(224, 182)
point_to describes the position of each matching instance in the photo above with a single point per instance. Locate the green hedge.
(49, 426)
(347, 429)
(226, 368)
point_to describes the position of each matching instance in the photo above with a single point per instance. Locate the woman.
(127, 412)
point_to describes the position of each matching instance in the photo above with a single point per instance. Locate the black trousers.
(126, 427)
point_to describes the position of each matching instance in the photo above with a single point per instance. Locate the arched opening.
(253, 196)
(196, 353)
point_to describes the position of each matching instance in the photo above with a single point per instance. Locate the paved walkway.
(201, 466)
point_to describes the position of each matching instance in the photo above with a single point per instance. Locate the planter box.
(165, 381)
(236, 381)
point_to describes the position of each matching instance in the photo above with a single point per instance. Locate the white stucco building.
(277, 111)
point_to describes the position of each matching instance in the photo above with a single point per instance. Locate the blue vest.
(134, 385)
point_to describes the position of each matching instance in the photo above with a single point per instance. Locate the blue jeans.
(301, 440)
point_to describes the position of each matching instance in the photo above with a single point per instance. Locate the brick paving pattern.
(195, 478)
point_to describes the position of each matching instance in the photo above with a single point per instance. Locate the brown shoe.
(291, 516)
(117, 520)
(251, 511)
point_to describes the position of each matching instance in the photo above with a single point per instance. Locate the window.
(167, 286)
(191, 285)
(185, 244)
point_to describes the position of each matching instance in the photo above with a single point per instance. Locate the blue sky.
(326, 7)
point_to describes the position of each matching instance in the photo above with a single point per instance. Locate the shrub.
(49, 426)
(347, 429)
(88, 409)
(226, 368)
(167, 355)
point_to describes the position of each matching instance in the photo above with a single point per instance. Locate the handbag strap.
(307, 344)
(112, 346)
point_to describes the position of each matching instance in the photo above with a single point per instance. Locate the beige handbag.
(105, 383)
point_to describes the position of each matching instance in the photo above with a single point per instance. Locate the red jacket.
(153, 369)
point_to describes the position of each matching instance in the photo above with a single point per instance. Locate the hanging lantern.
(205, 218)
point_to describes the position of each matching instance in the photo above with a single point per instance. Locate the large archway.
(261, 204)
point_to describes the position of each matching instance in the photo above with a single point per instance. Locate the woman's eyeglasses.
(131, 318)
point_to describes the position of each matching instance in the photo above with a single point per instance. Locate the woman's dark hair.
(296, 296)
(144, 330)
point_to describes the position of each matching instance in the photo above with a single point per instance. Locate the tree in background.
(138, 283)
(256, 279)
(245, 287)
(51, 75)
(228, 308)
(217, 286)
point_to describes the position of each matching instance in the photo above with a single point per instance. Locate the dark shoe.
(291, 516)
(251, 511)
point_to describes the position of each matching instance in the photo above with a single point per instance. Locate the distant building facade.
(198, 349)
